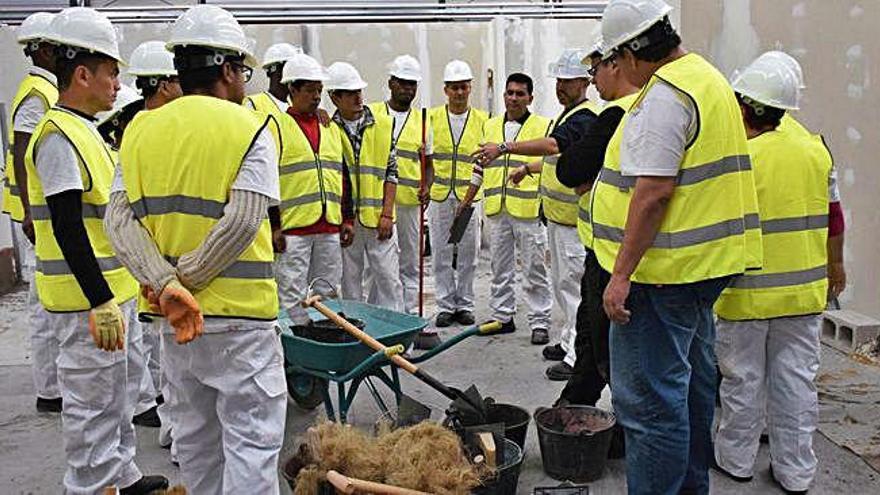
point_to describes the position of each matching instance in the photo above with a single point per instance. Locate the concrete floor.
(505, 367)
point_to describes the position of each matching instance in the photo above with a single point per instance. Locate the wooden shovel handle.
(351, 485)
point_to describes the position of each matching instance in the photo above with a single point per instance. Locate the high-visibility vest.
(520, 201)
(408, 143)
(560, 203)
(179, 163)
(56, 285)
(711, 228)
(265, 103)
(584, 225)
(453, 165)
(791, 176)
(311, 183)
(367, 169)
(45, 90)
(789, 123)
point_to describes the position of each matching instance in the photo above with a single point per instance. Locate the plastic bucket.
(574, 441)
(507, 476)
(515, 419)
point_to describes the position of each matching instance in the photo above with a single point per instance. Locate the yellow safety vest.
(32, 85)
(584, 225)
(265, 103)
(311, 183)
(791, 176)
(179, 163)
(409, 165)
(789, 123)
(367, 169)
(711, 228)
(560, 203)
(453, 165)
(519, 201)
(56, 285)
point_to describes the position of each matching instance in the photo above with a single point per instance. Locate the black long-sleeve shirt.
(581, 162)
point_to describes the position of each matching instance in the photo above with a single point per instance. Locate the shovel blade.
(411, 411)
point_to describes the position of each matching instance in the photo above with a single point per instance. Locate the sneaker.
(145, 486)
(783, 488)
(425, 341)
(554, 352)
(49, 405)
(559, 372)
(540, 336)
(739, 479)
(464, 317)
(444, 319)
(506, 327)
(148, 418)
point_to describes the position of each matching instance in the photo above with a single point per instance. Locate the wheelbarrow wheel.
(306, 390)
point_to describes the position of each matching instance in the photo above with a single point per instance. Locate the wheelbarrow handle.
(351, 485)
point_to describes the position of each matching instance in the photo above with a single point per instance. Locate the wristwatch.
(504, 148)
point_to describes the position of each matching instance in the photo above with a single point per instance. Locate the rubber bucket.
(515, 419)
(291, 470)
(507, 476)
(574, 441)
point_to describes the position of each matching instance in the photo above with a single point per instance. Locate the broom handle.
(351, 485)
(424, 165)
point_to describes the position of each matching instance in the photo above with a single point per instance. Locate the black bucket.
(574, 441)
(515, 419)
(507, 476)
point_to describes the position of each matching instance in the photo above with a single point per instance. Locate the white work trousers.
(769, 365)
(44, 341)
(408, 218)
(151, 381)
(454, 286)
(306, 258)
(567, 255)
(384, 271)
(228, 408)
(510, 236)
(164, 409)
(99, 390)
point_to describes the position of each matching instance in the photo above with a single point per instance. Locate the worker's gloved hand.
(182, 311)
(152, 299)
(107, 326)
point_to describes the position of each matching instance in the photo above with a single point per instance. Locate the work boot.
(506, 327)
(559, 372)
(145, 486)
(49, 405)
(444, 319)
(425, 341)
(739, 479)
(540, 336)
(554, 352)
(783, 488)
(148, 418)
(464, 317)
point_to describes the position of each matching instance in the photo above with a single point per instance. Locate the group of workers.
(165, 226)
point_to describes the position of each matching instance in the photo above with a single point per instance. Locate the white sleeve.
(58, 165)
(833, 189)
(117, 185)
(429, 141)
(656, 133)
(259, 170)
(28, 114)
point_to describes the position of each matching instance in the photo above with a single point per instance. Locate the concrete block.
(846, 330)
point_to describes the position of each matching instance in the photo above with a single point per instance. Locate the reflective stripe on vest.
(791, 170)
(57, 287)
(710, 228)
(367, 169)
(179, 163)
(407, 144)
(520, 201)
(45, 90)
(453, 165)
(560, 202)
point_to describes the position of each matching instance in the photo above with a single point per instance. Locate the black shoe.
(160, 399)
(554, 352)
(444, 319)
(464, 317)
(506, 327)
(560, 372)
(145, 486)
(540, 336)
(764, 438)
(148, 418)
(784, 489)
(49, 405)
(739, 479)
(425, 341)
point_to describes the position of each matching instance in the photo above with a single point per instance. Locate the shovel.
(349, 485)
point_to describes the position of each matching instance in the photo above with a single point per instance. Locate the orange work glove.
(150, 295)
(182, 311)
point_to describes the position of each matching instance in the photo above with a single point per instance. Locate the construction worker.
(316, 215)
(769, 321)
(89, 295)
(37, 93)
(372, 163)
(512, 210)
(111, 124)
(459, 129)
(404, 74)
(274, 100)
(196, 179)
(559, 203)
(674, 217)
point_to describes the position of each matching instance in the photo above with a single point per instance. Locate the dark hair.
(520, 78)
(758, 115)
(65, 67)
(193, 70)
(147, 90)
(656, 43)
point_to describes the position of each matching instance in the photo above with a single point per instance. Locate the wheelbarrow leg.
(378, 398)
(328, 404)
(395, 383)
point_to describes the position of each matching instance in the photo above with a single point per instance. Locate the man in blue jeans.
(674, 216)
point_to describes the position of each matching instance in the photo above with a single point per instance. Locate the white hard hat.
(788, 61)
(569, 65)
(279, 52)
(85, 29)
(35, 28)
(457, 70)
(304, 68)
(770, 82)
(624, 20)
(151, 58)
(124, 97)
(342, 75)
(405, 67)
(210, 26)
